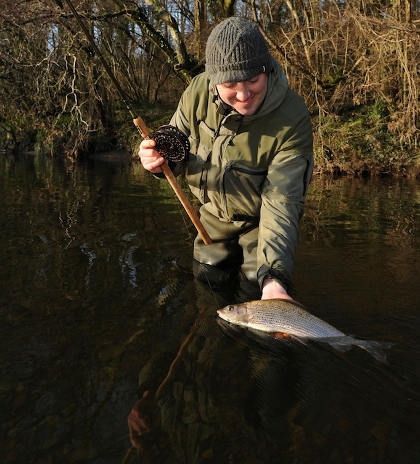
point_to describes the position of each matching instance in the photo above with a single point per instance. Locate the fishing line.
(184, 220)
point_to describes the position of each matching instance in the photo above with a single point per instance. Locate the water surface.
(98, 298)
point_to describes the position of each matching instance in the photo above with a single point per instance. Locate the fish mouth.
(221, 314)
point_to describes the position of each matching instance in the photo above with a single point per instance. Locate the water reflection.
(202, 410)
(234, 395)
(98, 296)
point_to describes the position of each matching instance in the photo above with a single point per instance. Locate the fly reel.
(171, 143)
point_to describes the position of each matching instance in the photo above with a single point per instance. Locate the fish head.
(237, 314)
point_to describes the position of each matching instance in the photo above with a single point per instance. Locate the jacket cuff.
(161, 175)
(265, 272)
(158, 175)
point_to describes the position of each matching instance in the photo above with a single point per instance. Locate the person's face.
(244, 96)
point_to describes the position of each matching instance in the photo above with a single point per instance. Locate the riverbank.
(360, 141)
(357, 142)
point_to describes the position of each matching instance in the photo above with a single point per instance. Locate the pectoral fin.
(284, 335)
(280, 335)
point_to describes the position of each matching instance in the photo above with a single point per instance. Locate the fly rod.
(171, 143)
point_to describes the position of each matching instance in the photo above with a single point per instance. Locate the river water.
(99, 305)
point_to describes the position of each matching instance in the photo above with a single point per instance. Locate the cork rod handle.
(145, 132)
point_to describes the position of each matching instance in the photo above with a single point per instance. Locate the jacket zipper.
(230, 166)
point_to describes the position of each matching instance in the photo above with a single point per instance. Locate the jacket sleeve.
(179, 118)
(283, 198)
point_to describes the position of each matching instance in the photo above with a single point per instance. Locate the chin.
(246, 112)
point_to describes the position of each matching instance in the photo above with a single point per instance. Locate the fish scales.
(278, 316)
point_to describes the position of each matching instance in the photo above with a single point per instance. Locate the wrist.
(272, 288)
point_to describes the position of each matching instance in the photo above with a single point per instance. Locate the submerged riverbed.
(98, 298)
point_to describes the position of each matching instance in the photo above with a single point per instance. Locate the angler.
(250, 159)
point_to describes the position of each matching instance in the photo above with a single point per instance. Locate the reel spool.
(171, 143)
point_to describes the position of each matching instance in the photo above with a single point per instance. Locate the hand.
(273, 289)
(137, 424)
(149, 157)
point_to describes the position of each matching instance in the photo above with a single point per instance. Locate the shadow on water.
(100, 312)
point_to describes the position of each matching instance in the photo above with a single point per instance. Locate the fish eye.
(230, 308)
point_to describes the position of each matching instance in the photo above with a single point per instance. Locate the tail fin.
(376, 349)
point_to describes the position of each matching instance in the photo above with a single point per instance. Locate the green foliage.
(359, 141)
(333, 76)
(56, 97)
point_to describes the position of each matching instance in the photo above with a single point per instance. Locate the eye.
(231, 308)
(228, 85)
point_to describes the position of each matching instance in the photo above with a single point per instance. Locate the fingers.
(137, 426)
(149, 157)
(147, 143)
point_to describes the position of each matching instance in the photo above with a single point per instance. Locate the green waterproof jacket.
(251, 168)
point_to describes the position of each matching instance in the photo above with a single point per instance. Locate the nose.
(242, 92)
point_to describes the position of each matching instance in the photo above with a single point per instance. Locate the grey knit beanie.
(236, 51)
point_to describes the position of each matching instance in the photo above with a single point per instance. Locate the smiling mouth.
(245, 103)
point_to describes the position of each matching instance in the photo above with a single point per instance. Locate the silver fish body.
(278, 315)
(291, 318)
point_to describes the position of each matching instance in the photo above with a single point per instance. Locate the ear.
(214, 92)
